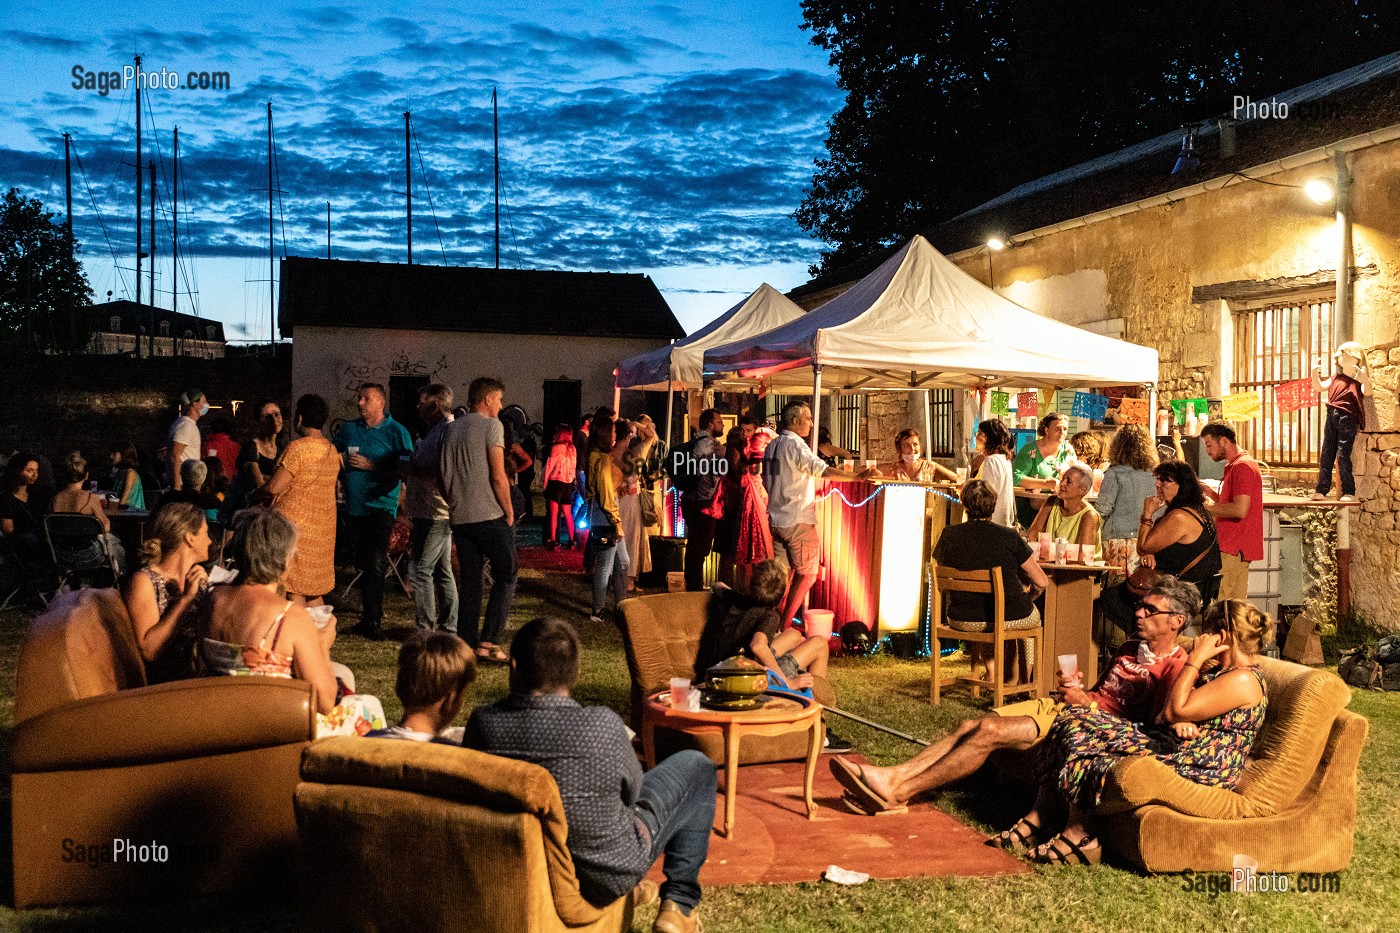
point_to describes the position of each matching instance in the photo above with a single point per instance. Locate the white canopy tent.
(920, 322)
(679, 365)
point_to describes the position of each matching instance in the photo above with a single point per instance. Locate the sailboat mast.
(271, 282)
(496, 170)
(151, 173)
(139, 192)
(175, 230)
(68, 221)
(408, 184)
(328, 229)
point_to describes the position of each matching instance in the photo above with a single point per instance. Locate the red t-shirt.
(1137, 683)
(1242, 537)
(226, 449)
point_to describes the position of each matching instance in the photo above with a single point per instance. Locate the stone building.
(553, 338)
(124, 328)
(1225, 265)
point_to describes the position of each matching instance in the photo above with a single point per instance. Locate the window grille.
(1275, 344)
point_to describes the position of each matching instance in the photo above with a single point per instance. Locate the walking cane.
(875, 725)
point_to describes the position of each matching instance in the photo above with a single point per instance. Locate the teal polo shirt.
(378, 489)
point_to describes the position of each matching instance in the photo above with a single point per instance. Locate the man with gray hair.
(434, 585)
(790, 469)
(1135, 686)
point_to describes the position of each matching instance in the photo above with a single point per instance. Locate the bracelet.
(1190, 664)
(1146, 521)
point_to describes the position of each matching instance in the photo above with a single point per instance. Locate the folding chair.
(18, 577)
(400, 550)
(79, 548)
(987, 583)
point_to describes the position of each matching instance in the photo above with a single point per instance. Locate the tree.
(45, 299)
(952, 102)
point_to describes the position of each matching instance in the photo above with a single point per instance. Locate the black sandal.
(1017, 839)
(1050, 854)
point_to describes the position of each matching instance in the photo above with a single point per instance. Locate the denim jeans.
(477, 543)
(434, 586)
(369, 540)
(677, 804)
(1338, 436)
(611, 564)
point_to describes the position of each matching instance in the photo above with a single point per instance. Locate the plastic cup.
(870, 464)
(962, 475)
(1072, 553)
(818, 622)
(1061, 549)
(321, 615)
(1069, 665)
(680, 692)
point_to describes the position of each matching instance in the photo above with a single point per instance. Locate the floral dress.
(1085, 743)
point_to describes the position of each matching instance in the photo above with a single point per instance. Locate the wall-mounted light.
(996, 244)
(1320, 190)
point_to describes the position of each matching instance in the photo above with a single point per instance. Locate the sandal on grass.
(492, 654)
(857, 795)
(1020, 837)
(1061, 851)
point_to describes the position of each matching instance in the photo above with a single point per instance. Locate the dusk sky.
(670, 139)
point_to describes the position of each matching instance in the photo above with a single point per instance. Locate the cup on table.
(1072, 553)
(870, 464)
(1061, 549)
(680, 692)
(1046, 547)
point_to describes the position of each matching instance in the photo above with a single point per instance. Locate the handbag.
(648, 503)
(1145, 578)
(602, 533)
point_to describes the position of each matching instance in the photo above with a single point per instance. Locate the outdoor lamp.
(1320, 190)
(997, 244)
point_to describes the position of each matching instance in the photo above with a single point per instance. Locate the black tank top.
(1172, 558)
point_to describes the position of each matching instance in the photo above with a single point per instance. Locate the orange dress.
(309, 504)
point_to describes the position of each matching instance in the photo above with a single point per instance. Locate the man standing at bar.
(374, 444)
(702, 459)
(1238, 509)
(790, 470)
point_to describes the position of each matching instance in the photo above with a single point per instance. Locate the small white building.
(553, 338)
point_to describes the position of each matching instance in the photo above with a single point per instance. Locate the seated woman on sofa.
(250, 627)
(1213, 715)
(159, 595)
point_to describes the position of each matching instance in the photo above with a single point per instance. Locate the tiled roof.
(343, 293)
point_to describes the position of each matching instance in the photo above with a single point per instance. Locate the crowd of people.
(281, 499)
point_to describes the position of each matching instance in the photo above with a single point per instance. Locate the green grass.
(896, 693)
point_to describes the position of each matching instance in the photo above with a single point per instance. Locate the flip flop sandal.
(865, 799)
(1022, 836)
(492, 655)
(1050, 854)
(859, 808)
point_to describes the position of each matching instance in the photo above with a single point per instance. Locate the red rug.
(775, 843)
(556, 561)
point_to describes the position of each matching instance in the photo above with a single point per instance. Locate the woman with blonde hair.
(1132, 456)
(75, 499)
(170, 581)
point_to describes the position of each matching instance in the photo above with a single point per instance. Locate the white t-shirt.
(185, 431)
(995, 471)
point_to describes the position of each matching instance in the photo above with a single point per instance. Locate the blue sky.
(671, 139)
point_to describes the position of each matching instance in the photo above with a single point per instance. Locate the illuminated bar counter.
(876, 541)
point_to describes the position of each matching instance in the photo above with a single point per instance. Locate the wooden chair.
(985, 583)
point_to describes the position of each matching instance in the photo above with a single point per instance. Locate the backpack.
(680, 464)
(1358, 667)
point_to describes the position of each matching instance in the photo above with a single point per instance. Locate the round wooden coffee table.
(779, 715)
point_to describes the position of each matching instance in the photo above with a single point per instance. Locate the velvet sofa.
(1293, 810)
(121, 790)
(400, 835)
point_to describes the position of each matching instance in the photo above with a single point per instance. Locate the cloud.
(43, 43)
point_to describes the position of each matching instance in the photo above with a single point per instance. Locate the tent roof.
(918, 321)
(762, 311)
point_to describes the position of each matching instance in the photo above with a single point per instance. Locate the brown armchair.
(401, 835)
(661, 635)
(201, 772)
(1293, 810)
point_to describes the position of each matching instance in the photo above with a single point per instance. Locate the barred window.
(1274, 344)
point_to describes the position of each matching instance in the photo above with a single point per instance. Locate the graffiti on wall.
(363, 369)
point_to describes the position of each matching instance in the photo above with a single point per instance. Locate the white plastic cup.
(870, 464)
(1072, 553)
(352, 451)
(321, 615)
(962, 475)
(680, 692)
(1069, 665)
(1061, 549)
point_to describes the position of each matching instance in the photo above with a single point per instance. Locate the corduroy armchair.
(1293, 810)
(661, 635)
(400, 835)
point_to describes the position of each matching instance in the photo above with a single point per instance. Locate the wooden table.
(130, 525)
(1068, 616)
(780, 715)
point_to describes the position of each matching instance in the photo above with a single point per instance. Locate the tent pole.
(928, 422)
(617, 396)
(670, 400)
(816, 403)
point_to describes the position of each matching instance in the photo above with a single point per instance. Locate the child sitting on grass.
(435, 669)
